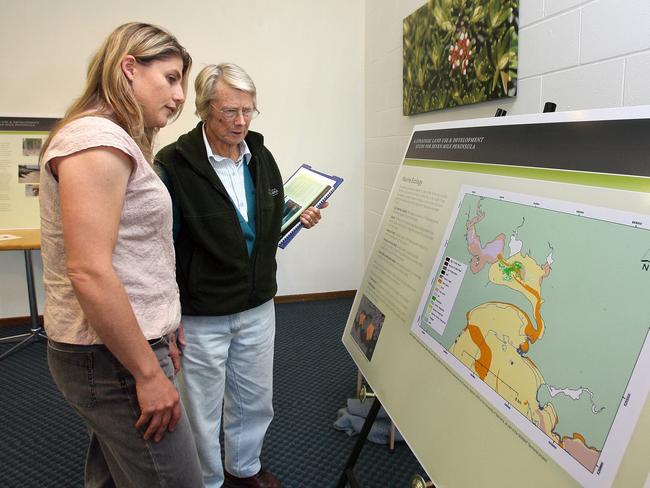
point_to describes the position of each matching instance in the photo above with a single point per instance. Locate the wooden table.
(28, 240)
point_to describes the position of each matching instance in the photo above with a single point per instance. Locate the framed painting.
(458, 52)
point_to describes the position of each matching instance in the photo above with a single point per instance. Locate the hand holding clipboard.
(305, 188)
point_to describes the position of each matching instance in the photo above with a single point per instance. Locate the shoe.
(263, 479)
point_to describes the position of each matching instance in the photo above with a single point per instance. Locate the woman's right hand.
(159, 406)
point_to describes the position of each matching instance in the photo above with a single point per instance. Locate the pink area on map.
(481, 255)
(585, 455)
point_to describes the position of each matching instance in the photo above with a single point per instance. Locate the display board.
(21, 139)
(502, 318)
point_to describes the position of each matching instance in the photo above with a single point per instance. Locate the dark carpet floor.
(43, 442)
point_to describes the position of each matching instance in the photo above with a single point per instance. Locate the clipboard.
(307, 187)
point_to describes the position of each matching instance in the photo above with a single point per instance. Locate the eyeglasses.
(232, 113)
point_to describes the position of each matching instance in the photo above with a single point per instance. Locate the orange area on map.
(482, 363)
(532, 332)
(575, 435)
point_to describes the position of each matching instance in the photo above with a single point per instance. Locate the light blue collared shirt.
(231, 173)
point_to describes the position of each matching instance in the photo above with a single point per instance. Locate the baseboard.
(309, 297)
(14, 321)
(306, 297)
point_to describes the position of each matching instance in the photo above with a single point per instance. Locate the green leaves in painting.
(458, 52)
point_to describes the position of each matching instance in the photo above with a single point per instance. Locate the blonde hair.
(206, 81)
(108, 92)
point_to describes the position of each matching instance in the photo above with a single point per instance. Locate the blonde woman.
(111, 295)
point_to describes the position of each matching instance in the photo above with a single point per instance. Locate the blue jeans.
(103, 393)
(229, 359)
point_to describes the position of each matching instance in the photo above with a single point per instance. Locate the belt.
(156, 341)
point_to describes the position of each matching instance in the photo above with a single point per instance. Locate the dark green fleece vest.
(215, 273)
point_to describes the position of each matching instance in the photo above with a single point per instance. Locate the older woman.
(228, 196)
(111, 295)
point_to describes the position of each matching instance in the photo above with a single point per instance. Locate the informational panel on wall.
(502, 319)
(21, 139)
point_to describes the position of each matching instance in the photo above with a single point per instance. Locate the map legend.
(445, 289)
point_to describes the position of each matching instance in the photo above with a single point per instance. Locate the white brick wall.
(549, 45)
(614, 28)
(637, 80)
(579, 54)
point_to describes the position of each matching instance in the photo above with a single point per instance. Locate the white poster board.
(21, 139)
(501, 320)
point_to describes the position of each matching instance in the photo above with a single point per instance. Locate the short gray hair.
(206, 82)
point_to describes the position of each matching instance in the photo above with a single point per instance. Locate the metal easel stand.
(362, 394)
(347, 477)
(36, 332)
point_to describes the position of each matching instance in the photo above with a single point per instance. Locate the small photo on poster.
(290, 209)
(367, 325)
(31, 190)
(28, 173)
(32, 146)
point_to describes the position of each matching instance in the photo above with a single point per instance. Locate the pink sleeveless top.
(144, 253)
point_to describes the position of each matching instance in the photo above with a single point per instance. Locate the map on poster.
(524, 302)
